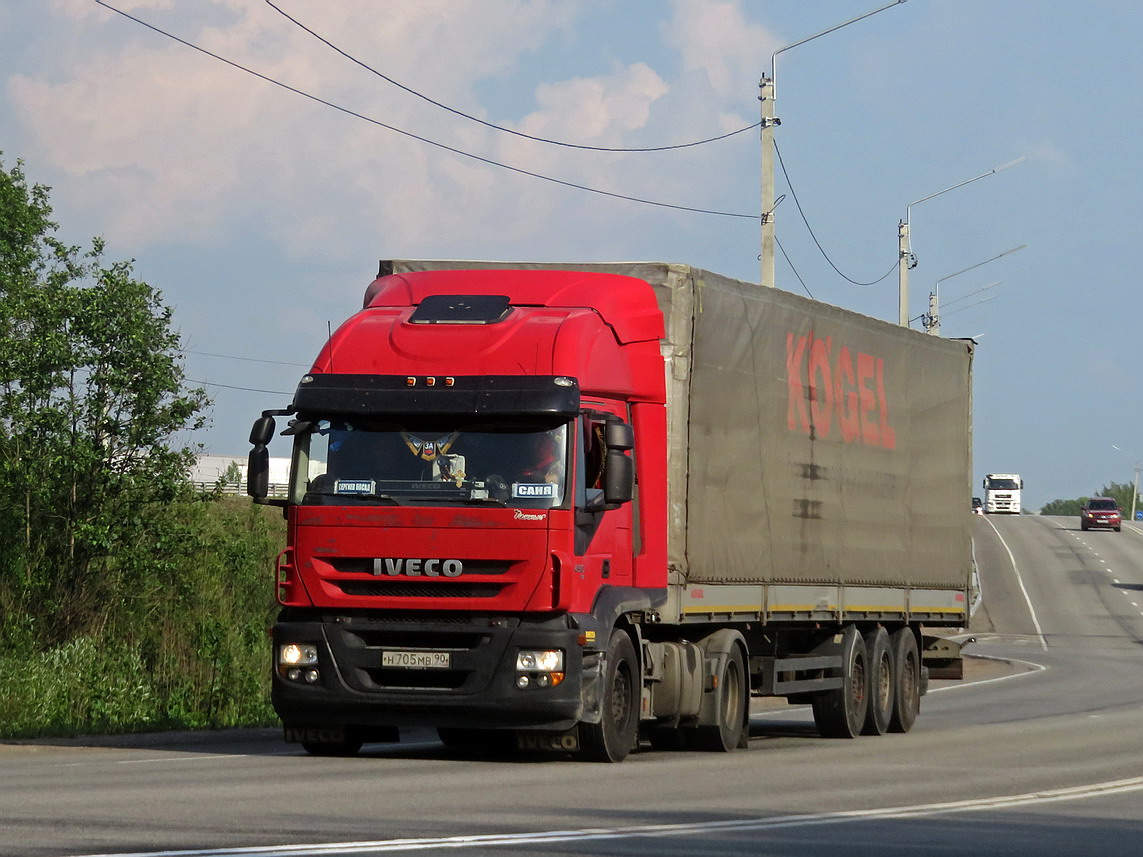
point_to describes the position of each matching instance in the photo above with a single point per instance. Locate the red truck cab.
(465, 522)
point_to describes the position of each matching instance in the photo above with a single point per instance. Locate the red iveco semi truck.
(582, 507)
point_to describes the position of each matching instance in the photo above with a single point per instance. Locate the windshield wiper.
(384, 498)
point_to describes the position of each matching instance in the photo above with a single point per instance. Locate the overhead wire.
(821, 249)
(419, 138)
(786, 256)
(231, 387)
(249, 359)
(492, 125)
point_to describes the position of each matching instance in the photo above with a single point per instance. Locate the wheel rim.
(909, 684)
(857, 684)
(884, 683)
(732, 700)
(621, 697)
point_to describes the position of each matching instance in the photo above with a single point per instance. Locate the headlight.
(298, 655)
(547, 661)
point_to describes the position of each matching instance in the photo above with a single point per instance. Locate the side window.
(595, 459)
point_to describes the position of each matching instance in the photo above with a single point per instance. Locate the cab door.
(604, 538)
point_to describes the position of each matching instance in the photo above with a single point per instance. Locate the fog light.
(293, 673)
(522, 681)
(311, 676)
(543, 680)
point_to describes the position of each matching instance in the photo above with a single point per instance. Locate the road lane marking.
(382, 846)
(1020, 580)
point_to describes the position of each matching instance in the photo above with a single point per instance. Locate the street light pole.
(932, 321)
(767, 95)
(904, 246)
(1135, 488)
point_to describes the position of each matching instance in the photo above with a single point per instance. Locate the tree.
(91, 396)
(1120, 491)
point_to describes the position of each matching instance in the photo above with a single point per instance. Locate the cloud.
(170, 145)
(714, 36)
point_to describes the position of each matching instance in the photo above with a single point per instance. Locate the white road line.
(658, 830)
(1020, 580)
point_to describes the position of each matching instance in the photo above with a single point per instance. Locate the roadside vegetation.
(1120, 491)
(128, 601)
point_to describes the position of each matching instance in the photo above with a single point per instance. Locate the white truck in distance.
(1002, 493)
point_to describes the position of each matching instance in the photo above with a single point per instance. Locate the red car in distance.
(1101, 512)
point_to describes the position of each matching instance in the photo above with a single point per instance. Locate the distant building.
(209, 470)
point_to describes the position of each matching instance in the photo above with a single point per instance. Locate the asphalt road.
(1039, 753)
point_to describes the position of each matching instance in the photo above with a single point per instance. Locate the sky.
(258, 188)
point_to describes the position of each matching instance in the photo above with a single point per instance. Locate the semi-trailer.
(591, 507)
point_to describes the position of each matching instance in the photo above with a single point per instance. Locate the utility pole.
(905, 262)
(933, 319)
(769, 120)
(766, 96)
(1135, 491)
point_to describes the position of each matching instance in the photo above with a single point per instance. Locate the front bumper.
(1102, 521)
(477, 690)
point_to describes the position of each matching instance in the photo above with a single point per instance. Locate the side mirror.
(618, 478)
(258, 472)
(263, 430)
(258, 465)
(619, 472)
(618, 435)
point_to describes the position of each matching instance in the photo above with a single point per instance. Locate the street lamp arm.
(978, 264)
(774, 56)
(993, 171)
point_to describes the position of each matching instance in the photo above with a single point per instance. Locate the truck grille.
(401, 589)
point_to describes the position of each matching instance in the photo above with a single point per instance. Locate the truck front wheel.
(611, 739)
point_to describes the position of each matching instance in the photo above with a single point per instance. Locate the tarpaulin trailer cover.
(808, 444)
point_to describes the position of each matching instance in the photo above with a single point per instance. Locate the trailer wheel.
(840, 713)
(907, 674)
(882, 684)
(612, 738)
(727, 734)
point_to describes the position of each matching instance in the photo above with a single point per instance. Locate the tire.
(339, 748)
(908, 680)
(612, 738)
(734, 694)
(840, 713)
(882, 683)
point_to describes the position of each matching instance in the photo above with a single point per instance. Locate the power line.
(248, 359)
(492, 125)
(417, 137)
(805, 220)
(230, 387)
(786, 256)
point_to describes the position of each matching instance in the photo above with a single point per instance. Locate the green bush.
(182, 643)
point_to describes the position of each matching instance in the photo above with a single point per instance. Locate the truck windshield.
(341, 462)
(1002, 485)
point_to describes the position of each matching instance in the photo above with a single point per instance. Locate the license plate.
(416, 660)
